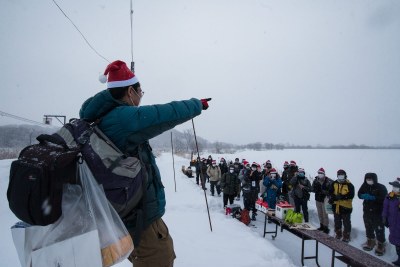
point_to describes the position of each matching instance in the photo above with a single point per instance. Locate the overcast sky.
(301, 72)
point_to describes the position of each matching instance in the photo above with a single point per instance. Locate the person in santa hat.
(130, 126)
(321, 185)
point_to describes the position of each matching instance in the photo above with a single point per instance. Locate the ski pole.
(202, 174)
(173, 160)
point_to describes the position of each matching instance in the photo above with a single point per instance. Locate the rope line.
(83, 36)
(2, 113)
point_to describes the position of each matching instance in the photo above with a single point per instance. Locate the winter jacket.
(291, 174)
(229, 183)
(251, 184)
(377, 191)
(391, 214)
(321, 190)
(130, 128)
(341, 197)
(224, 168)
(214, 173)
(298, 192)
(272, 189)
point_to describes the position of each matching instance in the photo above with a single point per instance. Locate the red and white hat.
(285, 163)
(213, 161)
(273, 170)
(119, 75)
(293, 163)
(321, 170)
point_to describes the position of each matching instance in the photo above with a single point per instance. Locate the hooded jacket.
(130, 128)
(377, 190)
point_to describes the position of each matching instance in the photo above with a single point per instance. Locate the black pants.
(228, 197)
(342, 219)
(301, 204)
(249, 201)
(215, 184)
(374, 226)
(197, 176)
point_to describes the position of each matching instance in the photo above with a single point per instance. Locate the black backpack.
(37, 176)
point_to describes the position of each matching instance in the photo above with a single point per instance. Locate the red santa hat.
(273, 170)
(214, 161)
(321, 170)
(119, 75)
(293, 163)
(285, 163)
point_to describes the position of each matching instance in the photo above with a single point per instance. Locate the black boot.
(321, 228)
(326, 230)
(253, 216)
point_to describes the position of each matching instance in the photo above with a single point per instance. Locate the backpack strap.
(52, 139)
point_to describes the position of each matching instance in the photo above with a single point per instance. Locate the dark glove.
(339, 197)
(204, 102)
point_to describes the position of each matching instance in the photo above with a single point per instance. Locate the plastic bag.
(85, 210)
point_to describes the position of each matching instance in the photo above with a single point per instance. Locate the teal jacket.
(130, 128)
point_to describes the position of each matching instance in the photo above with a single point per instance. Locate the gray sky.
(301, 72)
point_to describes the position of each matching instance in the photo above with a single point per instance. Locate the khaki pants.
(156, 248)
(322, 214)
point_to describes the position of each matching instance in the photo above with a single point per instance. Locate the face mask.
(301, 175)
(231, 170)
(214, 165)
(396, 190)
(321, 175)
(253, 168)
(140, 96)
(341, 178)
(370, 182)
(273, 176)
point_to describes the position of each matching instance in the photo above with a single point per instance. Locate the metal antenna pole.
(173, 160)
(198, 156)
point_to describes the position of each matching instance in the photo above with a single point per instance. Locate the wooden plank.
(350, 254)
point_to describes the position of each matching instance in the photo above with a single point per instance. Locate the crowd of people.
(235, 179)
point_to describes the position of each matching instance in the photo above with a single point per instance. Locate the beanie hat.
(119, 75)
(371, 175)
(396, 183)
(321, 170)
(273, 170)
(341, 172)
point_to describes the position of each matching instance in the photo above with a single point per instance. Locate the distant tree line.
(15, 137)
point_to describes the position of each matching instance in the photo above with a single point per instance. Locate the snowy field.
(231, 243)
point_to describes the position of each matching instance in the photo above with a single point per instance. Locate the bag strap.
(52, 139)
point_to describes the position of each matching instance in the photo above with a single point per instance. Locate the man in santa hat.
(130, 126)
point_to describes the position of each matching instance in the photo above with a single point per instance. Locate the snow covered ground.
(231, 243)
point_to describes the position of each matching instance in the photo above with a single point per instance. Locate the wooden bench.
(348, 254)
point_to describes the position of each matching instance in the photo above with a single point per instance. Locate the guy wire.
(80, 32)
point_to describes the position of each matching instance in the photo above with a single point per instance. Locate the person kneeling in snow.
(187, 171)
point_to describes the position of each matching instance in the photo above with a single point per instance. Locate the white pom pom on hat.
(103, 78)
(119, 75)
